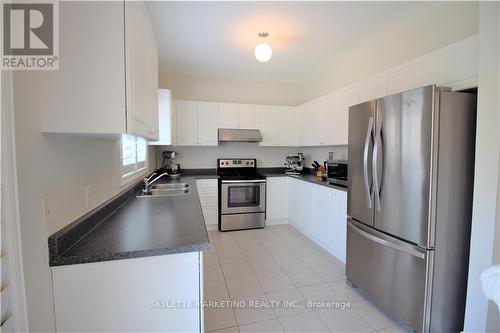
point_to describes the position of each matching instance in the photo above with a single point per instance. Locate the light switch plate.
(48, 211)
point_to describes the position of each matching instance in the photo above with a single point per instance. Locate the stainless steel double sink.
(168, 189)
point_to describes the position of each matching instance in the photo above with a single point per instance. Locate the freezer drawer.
(392, 272)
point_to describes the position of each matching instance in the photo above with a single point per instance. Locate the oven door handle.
(243, 181)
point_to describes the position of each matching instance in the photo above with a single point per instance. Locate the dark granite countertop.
(131, 227)
(308, 178)
(128, 226)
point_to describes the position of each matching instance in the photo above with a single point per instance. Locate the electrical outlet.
(88, 196)
(48, 211)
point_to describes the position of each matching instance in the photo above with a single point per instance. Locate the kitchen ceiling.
(219, 38)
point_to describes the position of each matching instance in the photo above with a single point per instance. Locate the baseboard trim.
(277, 221)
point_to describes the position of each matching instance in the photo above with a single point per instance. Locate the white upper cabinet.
(455, 66)
(285, 126)
(229, 115)
(410, 75)
(300, 126)
(277, 125)
(105, 85)
(325, 115)
(141, 57)
(196, 123)
(268, 126)
(374, 87)
(187, 123)
(313, 123)
(249, 116)
(166, 119)
(207, 124)
(346, 98)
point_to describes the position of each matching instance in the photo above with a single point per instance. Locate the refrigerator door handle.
(368, 190)
(408, 249)
(376, 187)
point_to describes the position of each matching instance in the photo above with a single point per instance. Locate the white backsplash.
(206, 157)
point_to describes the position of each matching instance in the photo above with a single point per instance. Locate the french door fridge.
(411, 163)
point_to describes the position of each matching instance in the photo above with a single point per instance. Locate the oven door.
(243, 196)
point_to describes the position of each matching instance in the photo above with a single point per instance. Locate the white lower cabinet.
(127, 295)
(276, 200)
(209, 198)
(320, 213)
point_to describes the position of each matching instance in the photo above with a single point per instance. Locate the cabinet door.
(90, 82)
(300, 126)
(294, 202)
(308, 205)
(141, 72)
(313, 121)
(455, 66)
(249, 116)
(187, 123)
(413, 74)
(276, 198)
(209, 198)
(327, 117)
(207, 124)
(324, 117)
(229, 115)
(346, 98)
(325, 220)
(340, 230)
(268, 127)
(286, 126)
(374, 87)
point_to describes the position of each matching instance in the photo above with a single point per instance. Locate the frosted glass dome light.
(263, 52)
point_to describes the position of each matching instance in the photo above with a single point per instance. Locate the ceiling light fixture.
(263, 51)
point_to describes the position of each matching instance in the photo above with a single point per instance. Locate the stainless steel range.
(242, 194)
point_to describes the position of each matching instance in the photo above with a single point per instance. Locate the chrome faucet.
(148, 182)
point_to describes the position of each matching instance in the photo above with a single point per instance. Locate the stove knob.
(248, 163)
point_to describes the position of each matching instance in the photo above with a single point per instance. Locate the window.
(133, 156)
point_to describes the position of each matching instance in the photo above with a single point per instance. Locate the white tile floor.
(266, 267)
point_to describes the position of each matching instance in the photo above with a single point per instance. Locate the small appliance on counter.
(294, 164)
(336, 172)
(168, 165)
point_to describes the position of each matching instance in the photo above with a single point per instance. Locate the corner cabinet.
(107, 80)
(130, 295)
(319, 212)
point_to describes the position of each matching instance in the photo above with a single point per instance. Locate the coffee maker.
(294, 164)
(167, 163)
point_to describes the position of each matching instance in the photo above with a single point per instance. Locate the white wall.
(486, 199)
(55, 167)
(383, 52)
(206, 157)
(223, 89)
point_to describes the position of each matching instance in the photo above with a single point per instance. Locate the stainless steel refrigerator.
(411, 170)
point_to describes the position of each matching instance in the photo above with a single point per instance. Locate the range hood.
(239, 135)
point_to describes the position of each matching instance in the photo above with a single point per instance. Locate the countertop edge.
(67, 261)
(308, 178)
(82, 226)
